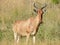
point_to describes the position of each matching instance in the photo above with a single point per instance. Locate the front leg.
(27, 39)
(33, 40)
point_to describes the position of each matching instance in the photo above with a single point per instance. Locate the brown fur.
(24, 27)
(28, 27)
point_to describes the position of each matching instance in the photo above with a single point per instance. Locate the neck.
(39, 16)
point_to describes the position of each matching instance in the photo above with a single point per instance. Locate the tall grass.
(49, 31)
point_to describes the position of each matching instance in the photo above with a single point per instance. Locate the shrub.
(55, 1)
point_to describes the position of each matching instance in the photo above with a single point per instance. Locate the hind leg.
(15, 36)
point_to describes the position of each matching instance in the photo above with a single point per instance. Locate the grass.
(48, 33)
(50, 42)
(55, 1)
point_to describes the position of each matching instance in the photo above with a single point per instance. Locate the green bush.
(55, 1)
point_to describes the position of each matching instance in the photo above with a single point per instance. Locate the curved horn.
(35, 6)
(44, 6)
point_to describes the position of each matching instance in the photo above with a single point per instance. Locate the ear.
(35, 10)
(44, 8)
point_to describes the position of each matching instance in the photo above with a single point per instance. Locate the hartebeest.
(28, 27)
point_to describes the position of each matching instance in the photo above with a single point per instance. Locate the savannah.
(12, 10)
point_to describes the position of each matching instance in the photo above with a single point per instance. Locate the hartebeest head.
(41, 10)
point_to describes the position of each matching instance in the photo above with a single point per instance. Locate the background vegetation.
(12, 10)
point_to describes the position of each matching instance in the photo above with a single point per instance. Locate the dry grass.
(12, 10)
(50, 42)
